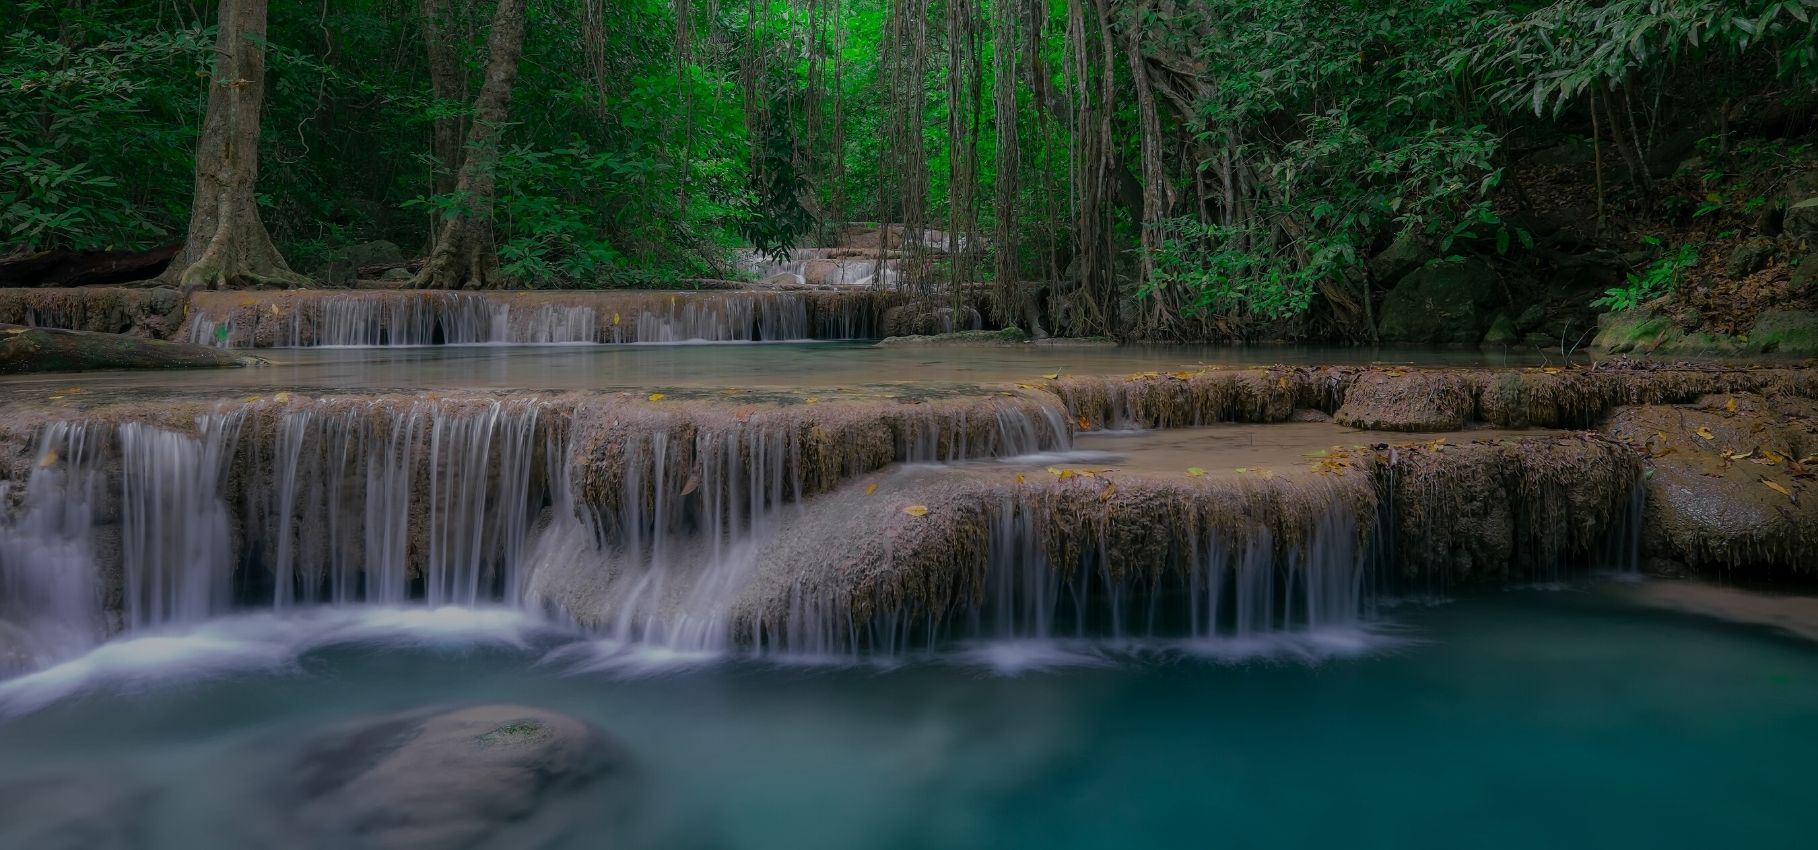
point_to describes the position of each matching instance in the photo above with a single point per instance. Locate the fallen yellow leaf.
(1195, 472)
(1705, 433)
(49, 458)
(1268, 474)
(916, 510)
(1085, 424)
(1052, 376)
(1019, 478)
(281, 398)
(1731, 406)
(55, 397)
(1552, 370)
(1054, 470)
(1241, 470)
(1778, 488)
(871, 488)
(615, 318)
(657, 396)
(1106, 494)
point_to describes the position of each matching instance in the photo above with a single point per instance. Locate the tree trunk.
(448, 84)
(464, 255)
(228, 244)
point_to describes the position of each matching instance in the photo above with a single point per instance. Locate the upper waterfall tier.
(312, 318)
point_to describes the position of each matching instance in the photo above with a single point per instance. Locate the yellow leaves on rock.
(1283, 382)
(1084, 423)
(1195, 472)
(1109, 491)
(1778, 488)
(1730, 406)
(871, 488)
(1552, 370)
(50, 458)
(1052, 376)
(743, 414)
(1020, 478)
(656, 396)
(615, 319)
(1704, 433)
(281, 398)
(1394, 373)
(916, 510)
(813, 399)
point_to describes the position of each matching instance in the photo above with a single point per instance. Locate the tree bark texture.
(228, 244)
(465, 256)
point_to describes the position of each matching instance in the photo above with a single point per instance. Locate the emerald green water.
(1507, 720)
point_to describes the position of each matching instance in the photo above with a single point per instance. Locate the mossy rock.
(1643, 331)
(1007, 336)
(1502, 332)
(1801, 220)
(1446, 302)
(1785, 332)
(1805, 274)
(24, 349)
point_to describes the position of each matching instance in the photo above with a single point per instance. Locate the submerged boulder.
(1727, 488)
(24, 349)
(74, 812)
(489, 775)
(1446, 302)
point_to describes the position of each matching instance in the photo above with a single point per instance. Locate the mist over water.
(1462, 721)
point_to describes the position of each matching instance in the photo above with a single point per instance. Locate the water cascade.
(707, 524)
(417, 318)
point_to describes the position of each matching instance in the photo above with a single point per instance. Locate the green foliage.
(1547, 59)
(1659, 278)
(1352, 135)
(66, 105)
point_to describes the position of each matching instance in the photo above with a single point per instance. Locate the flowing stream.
(897, 608)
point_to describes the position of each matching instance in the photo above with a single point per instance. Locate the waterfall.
(651, 524)
(1218, 586)
(176, 547)
(386, 502)
(377, 319)
(48, 584)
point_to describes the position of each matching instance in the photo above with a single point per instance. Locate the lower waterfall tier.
(868, 519)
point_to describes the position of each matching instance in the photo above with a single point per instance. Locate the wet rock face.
(487, 776)
(149, 312)
(1727, 487)
(913, 320)
(1439, 401)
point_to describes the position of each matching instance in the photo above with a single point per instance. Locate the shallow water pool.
(1528, 718)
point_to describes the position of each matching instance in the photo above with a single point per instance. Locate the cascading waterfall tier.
(288, 501)
(857, 521)
(415, 318)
